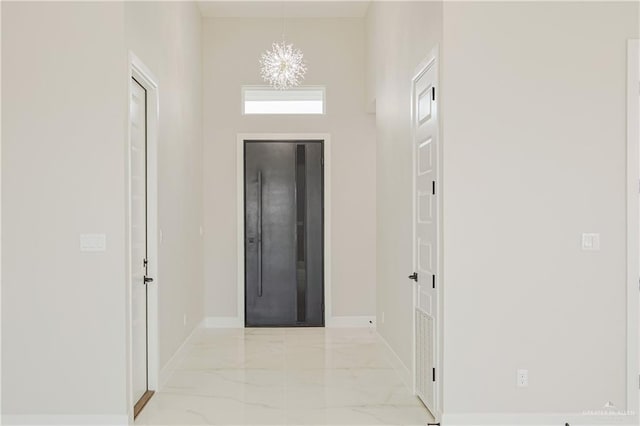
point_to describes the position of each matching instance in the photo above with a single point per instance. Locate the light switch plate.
(93, 242)
(591, 242)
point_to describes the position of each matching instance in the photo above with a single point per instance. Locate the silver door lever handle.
(259, 233)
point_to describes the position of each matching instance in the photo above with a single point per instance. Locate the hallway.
(284, 376)
(446, 191)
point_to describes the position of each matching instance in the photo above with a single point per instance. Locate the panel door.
(138, 225)
(425, 129)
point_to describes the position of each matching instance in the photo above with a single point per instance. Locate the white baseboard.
(37, 420)
(177, 357)
(402, 370)
(223, 322)
(549, 419)
(351, 322)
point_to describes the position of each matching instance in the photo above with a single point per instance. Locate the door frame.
(138, 70)
(326, 170)
(432, 60)
(633, 222)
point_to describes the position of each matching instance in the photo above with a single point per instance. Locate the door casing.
(139, 71)
(326, 138)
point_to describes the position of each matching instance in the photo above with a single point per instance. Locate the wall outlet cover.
(522, 378)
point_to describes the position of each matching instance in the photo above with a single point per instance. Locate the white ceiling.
(289, 9)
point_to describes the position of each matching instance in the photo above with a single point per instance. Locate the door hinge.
(145, 262)
(322, 160)
(433, 280)
(433, 372)
(433, 187)
(433, 93)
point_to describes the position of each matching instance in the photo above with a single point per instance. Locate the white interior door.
(426, 228)
(138, 259)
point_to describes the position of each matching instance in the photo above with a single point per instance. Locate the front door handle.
(414, 276)
(148, 280)
(259, 233)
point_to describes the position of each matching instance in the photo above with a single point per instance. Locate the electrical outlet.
(382, 318)
(523, 378)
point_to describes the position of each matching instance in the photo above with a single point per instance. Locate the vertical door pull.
(259, 233)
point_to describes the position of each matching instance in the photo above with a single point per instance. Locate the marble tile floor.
(284, 376)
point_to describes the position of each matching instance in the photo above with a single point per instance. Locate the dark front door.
(283, 233)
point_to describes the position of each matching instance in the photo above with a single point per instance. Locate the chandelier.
(282, 66)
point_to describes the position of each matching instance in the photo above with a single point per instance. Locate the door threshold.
(142, 402)
(286, 326)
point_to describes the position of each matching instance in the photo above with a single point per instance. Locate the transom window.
(298, 100)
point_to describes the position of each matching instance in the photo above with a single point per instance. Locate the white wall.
(400, 36)
(63, 141)
(535, 150)
(334, 50)
(64, 135)
(167, 37)
(533, 98)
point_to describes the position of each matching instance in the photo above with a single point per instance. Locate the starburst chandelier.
(282, 66)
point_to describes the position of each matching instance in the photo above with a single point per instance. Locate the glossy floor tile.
(284, 376)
